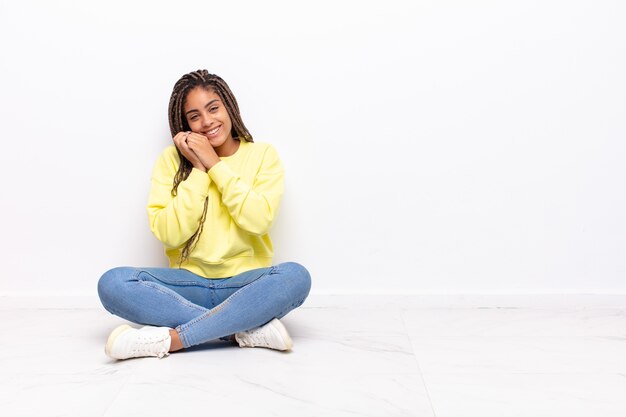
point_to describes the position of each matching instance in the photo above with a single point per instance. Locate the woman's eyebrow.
(205, 106)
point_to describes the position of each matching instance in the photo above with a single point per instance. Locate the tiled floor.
(350, 358)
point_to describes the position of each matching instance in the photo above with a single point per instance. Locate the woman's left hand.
(200, 145)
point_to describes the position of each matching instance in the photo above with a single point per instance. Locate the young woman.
(214, 196)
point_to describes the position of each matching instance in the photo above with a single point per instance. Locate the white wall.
(455, 146)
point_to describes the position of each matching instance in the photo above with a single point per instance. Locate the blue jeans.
(202, 309)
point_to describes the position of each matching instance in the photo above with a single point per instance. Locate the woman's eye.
(213, 109)
(193, 118)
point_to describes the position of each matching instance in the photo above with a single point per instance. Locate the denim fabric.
(202, 309)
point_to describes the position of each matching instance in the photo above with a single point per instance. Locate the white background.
(430, 146)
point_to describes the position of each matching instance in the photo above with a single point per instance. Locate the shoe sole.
(114, 335)
(278, 326)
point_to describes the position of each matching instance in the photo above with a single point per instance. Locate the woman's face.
(206, 114)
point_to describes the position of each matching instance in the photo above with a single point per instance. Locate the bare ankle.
(176, 344)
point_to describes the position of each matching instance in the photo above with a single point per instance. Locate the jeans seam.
(227, 286)
(182, 300)
(176, 297)
(181, 329)
(206, 314)
(181, 283)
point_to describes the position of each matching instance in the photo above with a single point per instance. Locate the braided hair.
(178, 123)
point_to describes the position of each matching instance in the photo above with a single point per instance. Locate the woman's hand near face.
(200, 145)
(180, 140)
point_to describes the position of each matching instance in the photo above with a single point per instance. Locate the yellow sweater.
(244, 192)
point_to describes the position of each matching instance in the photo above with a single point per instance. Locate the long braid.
(178, 123)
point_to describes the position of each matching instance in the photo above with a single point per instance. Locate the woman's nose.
(206, 121)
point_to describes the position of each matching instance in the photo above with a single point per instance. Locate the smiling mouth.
(213, 131)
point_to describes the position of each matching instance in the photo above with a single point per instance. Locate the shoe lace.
(151, 344)
(256, 337)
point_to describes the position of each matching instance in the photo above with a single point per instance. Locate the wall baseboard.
(366, 299)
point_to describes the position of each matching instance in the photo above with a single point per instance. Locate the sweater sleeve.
(253, 207)
(174, 219)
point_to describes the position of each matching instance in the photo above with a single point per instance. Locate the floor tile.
(527, 395)
(248, 392)
(516, 322)
(367, 357)
(520, 354)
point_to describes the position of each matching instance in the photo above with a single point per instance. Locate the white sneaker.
(126, 342)
(272, 335)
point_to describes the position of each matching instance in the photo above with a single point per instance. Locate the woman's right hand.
(180, 140)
